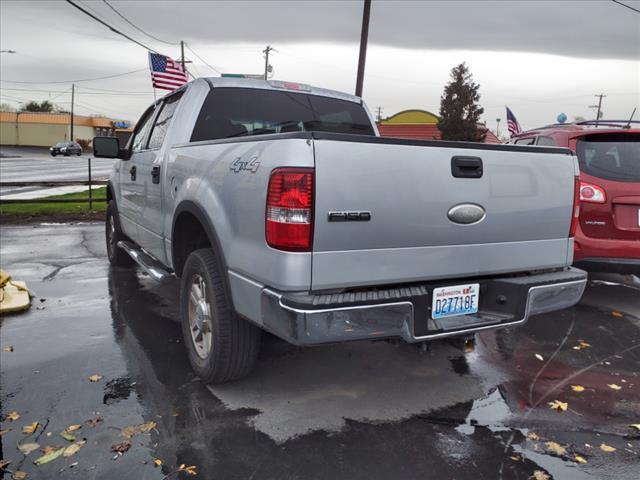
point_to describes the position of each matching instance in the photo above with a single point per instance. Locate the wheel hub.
(200, 317)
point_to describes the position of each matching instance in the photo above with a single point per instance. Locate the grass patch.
(52, 209)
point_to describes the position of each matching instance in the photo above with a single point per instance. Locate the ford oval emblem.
(466, 213)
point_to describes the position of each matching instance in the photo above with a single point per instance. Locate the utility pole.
(266, 60)
(378, 113)
(364, 36)
(73, 91)
(182, 55)
(599, 106)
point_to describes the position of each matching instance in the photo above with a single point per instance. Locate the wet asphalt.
(359, 410)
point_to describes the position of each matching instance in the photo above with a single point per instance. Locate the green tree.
(459, 108)
(44, 106)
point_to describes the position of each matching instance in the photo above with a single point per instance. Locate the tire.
(113, 234)
(79, 153)
(53, 154)
(228, 346)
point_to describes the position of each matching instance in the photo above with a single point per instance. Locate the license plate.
(455, 300)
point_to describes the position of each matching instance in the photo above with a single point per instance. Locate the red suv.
(608, 234)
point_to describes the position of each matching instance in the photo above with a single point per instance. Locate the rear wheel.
(113, 234)
(221, 345)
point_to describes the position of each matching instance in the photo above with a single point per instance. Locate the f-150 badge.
(349, 216)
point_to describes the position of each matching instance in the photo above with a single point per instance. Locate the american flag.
(512, 123)
(165, 73)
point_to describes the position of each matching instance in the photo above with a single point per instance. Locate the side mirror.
(109, 147)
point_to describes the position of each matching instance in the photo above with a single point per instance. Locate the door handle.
(155, 174)
(466, 167)
(132, 171)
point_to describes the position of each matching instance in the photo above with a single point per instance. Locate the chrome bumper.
(396, 319)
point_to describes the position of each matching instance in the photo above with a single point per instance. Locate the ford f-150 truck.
(280, 208)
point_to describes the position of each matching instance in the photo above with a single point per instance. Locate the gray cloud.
(590, 29)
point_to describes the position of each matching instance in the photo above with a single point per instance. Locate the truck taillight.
(591, 193)
(576, 208)
(289, 215)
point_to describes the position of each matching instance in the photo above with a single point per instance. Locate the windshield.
(61, 144)
(613, 156)
(237, 112)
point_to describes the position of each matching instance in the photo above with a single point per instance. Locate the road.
(352, 411)
(34, 165)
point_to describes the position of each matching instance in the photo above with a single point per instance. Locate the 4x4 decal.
(250, 165)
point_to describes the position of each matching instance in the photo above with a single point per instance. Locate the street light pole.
(364, 36)
(73, 91)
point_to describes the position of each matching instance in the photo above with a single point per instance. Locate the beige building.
(45, 129)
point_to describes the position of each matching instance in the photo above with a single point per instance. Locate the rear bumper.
(404, 312)
(610, 265)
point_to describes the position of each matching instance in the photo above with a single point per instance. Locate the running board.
(149, 264)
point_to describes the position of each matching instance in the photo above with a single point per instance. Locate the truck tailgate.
(409, 189)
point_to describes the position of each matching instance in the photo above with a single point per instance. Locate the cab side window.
(546, 142)
(163, 121)
(526, 141)
(139, 139)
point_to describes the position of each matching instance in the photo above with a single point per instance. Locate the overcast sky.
(540, 58)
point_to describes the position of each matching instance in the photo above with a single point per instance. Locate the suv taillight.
(289, 216)
(591, 193)
(576, 208)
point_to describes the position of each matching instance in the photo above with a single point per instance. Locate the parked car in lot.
(280, 208)
(608, 234)
(66, 149)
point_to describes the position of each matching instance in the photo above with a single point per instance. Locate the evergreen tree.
(44, 106)
(459, 109)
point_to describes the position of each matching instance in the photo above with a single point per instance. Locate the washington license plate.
(455, 300)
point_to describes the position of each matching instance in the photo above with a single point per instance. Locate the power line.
(113, 29)
(624, 5)
(76, 81)
(202, 60)
(137, 27)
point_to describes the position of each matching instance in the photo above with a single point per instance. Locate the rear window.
(238, 112)
(613, 156)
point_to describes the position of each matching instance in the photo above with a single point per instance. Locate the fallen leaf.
(6, 430)
(67, 436)
(13, 416)
(636, 426)
(540, 475)
(95, 377)
(556, 448)
(157, 462)
(579, 459)
(539, 357)
(515, 458)
(121, 447)
(615, 313)
(558, 405)
(4, 463)
(613, 386)
(73, 449)
(27, 448)
(48, 457)
(581, 345)
(19, 475)
(606, 448)
(577, 388)
(533, 436)
(8, 348)
(49, 449)
(133, 430)
(73, 428)
(191, 470)
(32, 427)
(92, 422)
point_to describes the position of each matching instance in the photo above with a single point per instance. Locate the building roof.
(411, 117)
(56, 118)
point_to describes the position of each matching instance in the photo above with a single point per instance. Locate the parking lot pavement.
(36, 165)
(359, 410)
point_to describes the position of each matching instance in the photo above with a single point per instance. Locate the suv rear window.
(612, 156)
(237, 112)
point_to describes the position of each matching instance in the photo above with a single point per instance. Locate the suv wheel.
(221, 345)
(113, 234)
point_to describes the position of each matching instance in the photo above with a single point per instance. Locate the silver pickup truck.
(280, 208)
